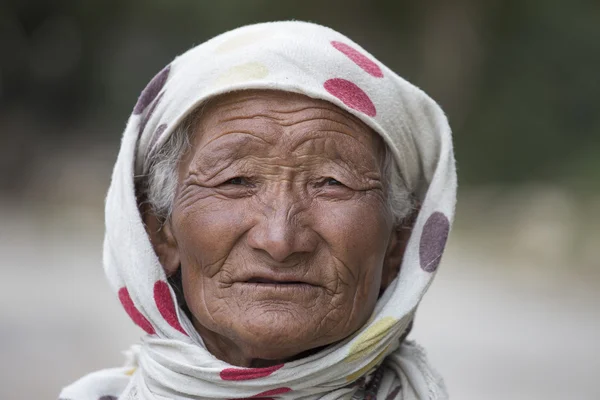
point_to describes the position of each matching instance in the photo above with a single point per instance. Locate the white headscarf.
(172, 362)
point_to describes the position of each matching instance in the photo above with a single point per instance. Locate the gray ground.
(493, 331)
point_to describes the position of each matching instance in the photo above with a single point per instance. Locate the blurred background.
(515, 310)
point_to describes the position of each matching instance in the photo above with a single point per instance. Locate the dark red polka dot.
(433, 241)
(156, 135)
(151, 91)
(244, 374)
(146, 117)
(351, 95)
(133, 312)
(392, 395)
(161, 128)
(165, 305)
(359, 59)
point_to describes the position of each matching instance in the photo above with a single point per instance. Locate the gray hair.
(159, 186)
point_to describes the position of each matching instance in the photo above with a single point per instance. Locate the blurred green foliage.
(518, 79)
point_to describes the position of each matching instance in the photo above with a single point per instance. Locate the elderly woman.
(279, 206)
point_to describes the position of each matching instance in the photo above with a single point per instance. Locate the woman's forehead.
(275, 116)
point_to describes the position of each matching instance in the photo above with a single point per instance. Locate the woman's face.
(279, 226)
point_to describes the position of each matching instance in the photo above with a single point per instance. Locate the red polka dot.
(272, 392)
(165, 305)
(359, 59)
(351, 95)
(392, 395)
(244, 374)
(151, 91)
(433, 241)
(133, 312)
(266, 394)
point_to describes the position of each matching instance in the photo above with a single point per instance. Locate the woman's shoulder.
(106, 384)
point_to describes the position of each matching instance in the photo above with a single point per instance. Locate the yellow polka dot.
(242, 73)
(366, 368)
(239, 41)
(365, 343)
(130, 372)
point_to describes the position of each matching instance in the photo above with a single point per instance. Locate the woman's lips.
(278, 288)
(269, 286)
(274, 282)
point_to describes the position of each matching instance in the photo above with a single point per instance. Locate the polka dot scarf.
(171, 362)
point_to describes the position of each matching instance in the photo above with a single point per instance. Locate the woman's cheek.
(207, 232)
(355, 228)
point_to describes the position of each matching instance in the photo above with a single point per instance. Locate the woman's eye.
(332, 182)
(238, 180)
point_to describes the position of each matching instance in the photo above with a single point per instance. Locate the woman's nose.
(282, 234)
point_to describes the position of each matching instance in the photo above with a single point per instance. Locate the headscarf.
(172, 362)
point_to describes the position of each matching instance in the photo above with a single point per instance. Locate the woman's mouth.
(284, 288)
(274, 282)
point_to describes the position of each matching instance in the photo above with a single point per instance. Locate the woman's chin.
(277, 335)
(280, 330)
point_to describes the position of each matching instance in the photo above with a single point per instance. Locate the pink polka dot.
(433, 241)
(359, 59)
(244, 374)
(165, 305)
(133, 312)
(151, 91)
(351, 95)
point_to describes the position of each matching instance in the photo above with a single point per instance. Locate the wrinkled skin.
(279, 226)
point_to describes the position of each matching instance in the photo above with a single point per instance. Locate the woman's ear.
(163, 241)
(395, 250)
